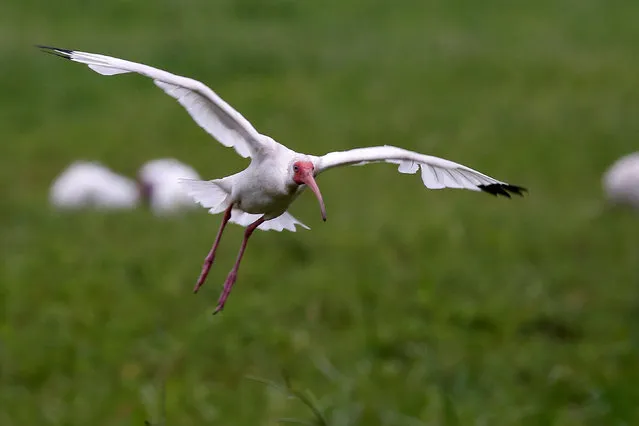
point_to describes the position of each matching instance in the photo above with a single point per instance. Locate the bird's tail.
(283, 221)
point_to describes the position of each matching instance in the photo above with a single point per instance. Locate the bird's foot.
(198, 285)
(228, 286)
(208, 262)
(199, 282)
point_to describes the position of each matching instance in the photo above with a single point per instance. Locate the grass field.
(408, 306)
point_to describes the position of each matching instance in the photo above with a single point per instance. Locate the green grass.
(408, 307)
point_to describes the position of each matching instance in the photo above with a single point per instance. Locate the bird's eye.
(296, 169)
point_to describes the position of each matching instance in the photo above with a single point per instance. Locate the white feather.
(208, 194)
(621, 181)
(107, 70)
(208, 110)
(284, 221)
(211, 195)
(201, 110)
(437, 173)
(91, 185)
(168, 196)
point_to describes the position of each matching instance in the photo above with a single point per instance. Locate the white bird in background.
(86, 184)
(160, 186)
(621, 181)
(259, 196)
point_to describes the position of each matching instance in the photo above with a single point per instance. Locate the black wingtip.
(503, 189)
(56, 51)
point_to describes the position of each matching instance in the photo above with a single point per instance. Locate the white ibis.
(160, 185)
(89, 184)
(621, 181)
(259, 196)
(86, 184)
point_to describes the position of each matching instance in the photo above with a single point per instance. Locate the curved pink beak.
(309, 180)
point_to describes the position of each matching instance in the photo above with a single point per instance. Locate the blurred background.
(408, 306)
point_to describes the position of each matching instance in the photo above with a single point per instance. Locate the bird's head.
(304, 174)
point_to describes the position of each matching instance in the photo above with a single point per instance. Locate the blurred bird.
(621, 181)
(259, 196)
(160, 187)
(86, 184)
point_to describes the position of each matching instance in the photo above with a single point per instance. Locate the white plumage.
(436, 173)
(87, 184)
(259, 196)
(621, 181)
(161, 178)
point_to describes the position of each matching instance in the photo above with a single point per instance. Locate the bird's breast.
(265, 199)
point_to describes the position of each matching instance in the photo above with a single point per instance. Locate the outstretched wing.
(437, 173)
(206, 108)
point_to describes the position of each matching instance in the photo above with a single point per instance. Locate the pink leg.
(208, 261)
(230, 280)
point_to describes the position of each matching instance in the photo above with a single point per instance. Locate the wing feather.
(436, 173)
(206, 108)
(284, 221)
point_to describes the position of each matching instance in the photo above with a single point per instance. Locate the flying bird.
(259, 196)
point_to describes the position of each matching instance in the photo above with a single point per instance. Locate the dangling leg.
(230, 280)
(208, 261)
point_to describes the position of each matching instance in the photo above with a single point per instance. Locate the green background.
(408, 306)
